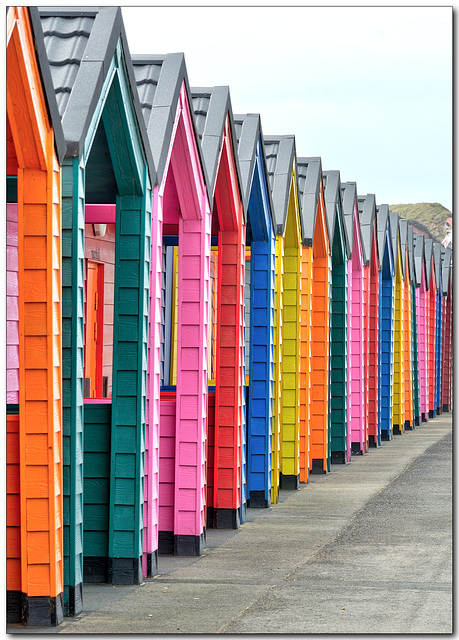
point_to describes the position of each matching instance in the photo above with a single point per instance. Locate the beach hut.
(447, 290)
(107, 179)
(259, 313)
(282, 169)
(407, 328)
(215, 127)
(340, 239)
(174, 509)
(414, 332)
(368, 230)
(438, 326)
(316, 262)
(34, 478)
(431, 308)
(356, 324)
(386, 322)
(398, 398)
(421, 321)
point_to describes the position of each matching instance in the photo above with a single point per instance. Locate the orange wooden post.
(39, 310)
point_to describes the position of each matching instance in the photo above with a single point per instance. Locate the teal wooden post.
(130, 343)
(72, 379)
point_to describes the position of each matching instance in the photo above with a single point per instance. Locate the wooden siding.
(398, 399)
(320, 329)
(12, 313)
(415, 358)
(39, 507)
(407, 353)
(277, 377)
(431, 308)
(13, 511)
(305, 361)
(357, 352)
(386, 332)
(421, 316)
(447, 350)
(373, 409)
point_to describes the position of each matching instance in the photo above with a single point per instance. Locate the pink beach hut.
(420, 272)
(356, 326)
(174, 503)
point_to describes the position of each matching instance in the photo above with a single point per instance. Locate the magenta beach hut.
(356, 318)
(174, 508)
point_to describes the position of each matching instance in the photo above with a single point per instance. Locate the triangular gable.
(280, 160)
(394, 234)
(333, 205)
(437, 261)
(309, 186)
(419, 261)
(382, 225)
(160, 79)
(446, 270)
(403, 226)
(367, 209)
(250, 150)
(428, 253)
(349, 198)
(212, 108)
(410, 242)
(83, 45)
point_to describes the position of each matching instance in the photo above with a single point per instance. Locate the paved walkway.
(366, 548)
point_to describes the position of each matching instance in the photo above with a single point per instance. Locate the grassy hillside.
(430, 214)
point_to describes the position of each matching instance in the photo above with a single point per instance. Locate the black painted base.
(356, 449)
(152, 564)
(125, 571)
(431, 413)
(34, 611)
(210, 518)
(165, 542)
(408, 425)
(289, 483)
(338, 457)
(13, 607)
(227, 519)
(74, 606)
(95, 569)
(386, 435)
(445, 408)
(423, 417)
(257, 500)
(189, 545)
(396, 430)
(416, 421)
(372, 441)
(438, 411)
(318, 466)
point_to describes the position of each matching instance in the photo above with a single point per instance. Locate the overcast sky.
(369, 89)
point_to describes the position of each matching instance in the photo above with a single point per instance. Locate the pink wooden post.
(356, 340)
(151, 480)
(12, 316)
(422, 344)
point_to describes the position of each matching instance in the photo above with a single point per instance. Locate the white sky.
(369, 89)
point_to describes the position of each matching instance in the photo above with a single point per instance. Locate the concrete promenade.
(366, 548)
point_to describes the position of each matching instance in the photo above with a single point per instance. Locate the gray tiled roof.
(80, 44)
(309, 172)
(280, 155)
(211, 106)
(249, 133)
(382, 220)
(367, 207)
(437, 261)
(394, 234)
(47, 81)
(446, 270)
(428, 256)
(159, 81)
(333, 206)
(419, 264)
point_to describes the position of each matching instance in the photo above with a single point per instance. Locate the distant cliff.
(428, 217)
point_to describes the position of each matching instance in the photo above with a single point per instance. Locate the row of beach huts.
(197, 315)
